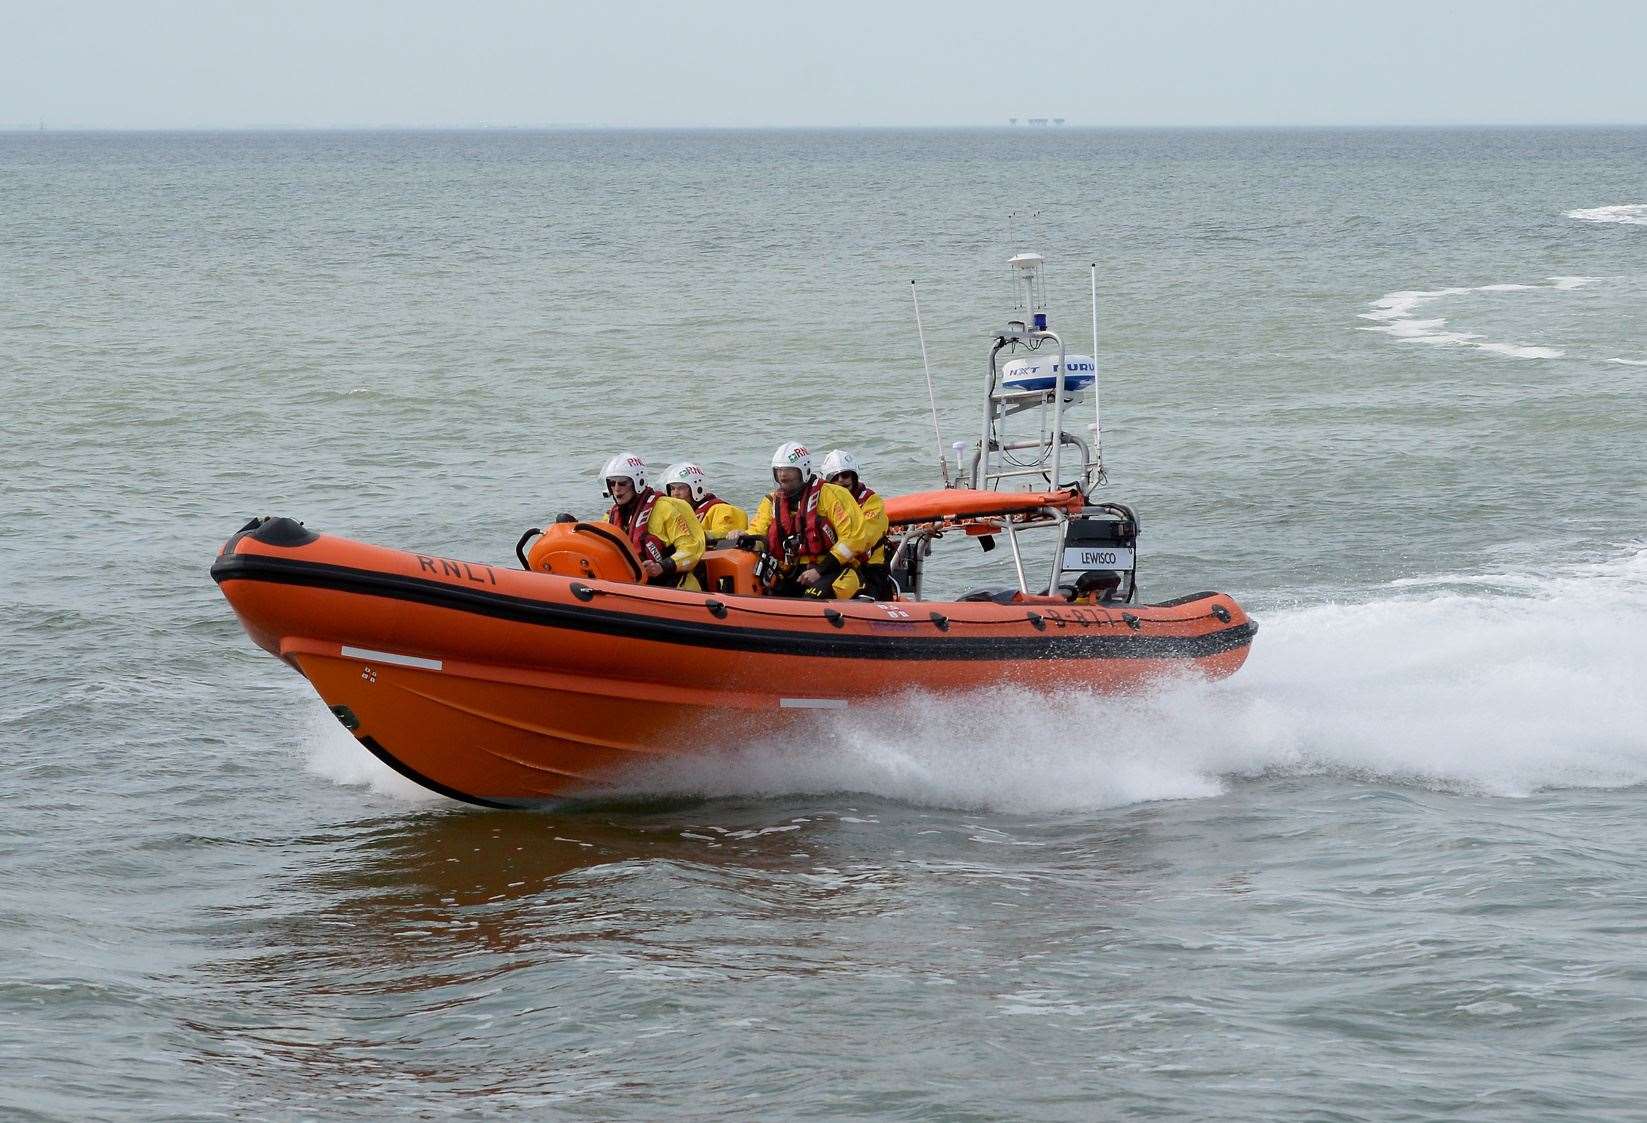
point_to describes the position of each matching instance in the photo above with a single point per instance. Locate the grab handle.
(520, 547)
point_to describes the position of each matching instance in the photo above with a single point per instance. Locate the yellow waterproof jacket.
(875, 525)
(672, 522)
(722, 518)
(836, 507)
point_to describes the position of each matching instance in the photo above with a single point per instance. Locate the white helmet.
(839, 460)
(793, 455)
(685, 473)
(624, 464)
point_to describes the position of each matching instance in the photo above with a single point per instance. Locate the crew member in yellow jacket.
(812, 529)
(719, 519)
(841, 467)
(663, 530)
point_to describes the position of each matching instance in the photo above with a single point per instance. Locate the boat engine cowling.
(586, 551)
(1099, 554)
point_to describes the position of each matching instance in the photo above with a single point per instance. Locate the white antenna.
(931, 395)
(1097, 380)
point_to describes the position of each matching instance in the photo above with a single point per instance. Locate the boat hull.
(507, 688)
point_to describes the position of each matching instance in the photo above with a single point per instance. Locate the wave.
(1633, 214)
(1394, 313)
(1629, 362)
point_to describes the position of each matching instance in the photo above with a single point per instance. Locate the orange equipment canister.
(592, 551)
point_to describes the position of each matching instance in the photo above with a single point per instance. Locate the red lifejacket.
(801, 518)
(861, 492)
(648, 545)
(704, 505)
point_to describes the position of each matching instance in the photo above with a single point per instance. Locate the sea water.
(1385, 387)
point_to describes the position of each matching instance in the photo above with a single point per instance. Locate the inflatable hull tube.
(502, 687)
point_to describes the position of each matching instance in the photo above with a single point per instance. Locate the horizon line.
(40, 126)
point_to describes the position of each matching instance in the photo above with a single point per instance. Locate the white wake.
(1631, 214)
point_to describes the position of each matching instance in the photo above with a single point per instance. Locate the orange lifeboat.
(507, 687)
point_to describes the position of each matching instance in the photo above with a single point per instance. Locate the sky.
(351, 63)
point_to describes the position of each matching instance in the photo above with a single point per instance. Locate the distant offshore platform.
(1042, 121)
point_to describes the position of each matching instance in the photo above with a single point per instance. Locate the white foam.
(1629, 362)
(1394, 315)
(1501, 683)
(1515, 351)
(1633, 214)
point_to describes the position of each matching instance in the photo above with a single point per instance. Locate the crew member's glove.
(741, 541)
(824, 570)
